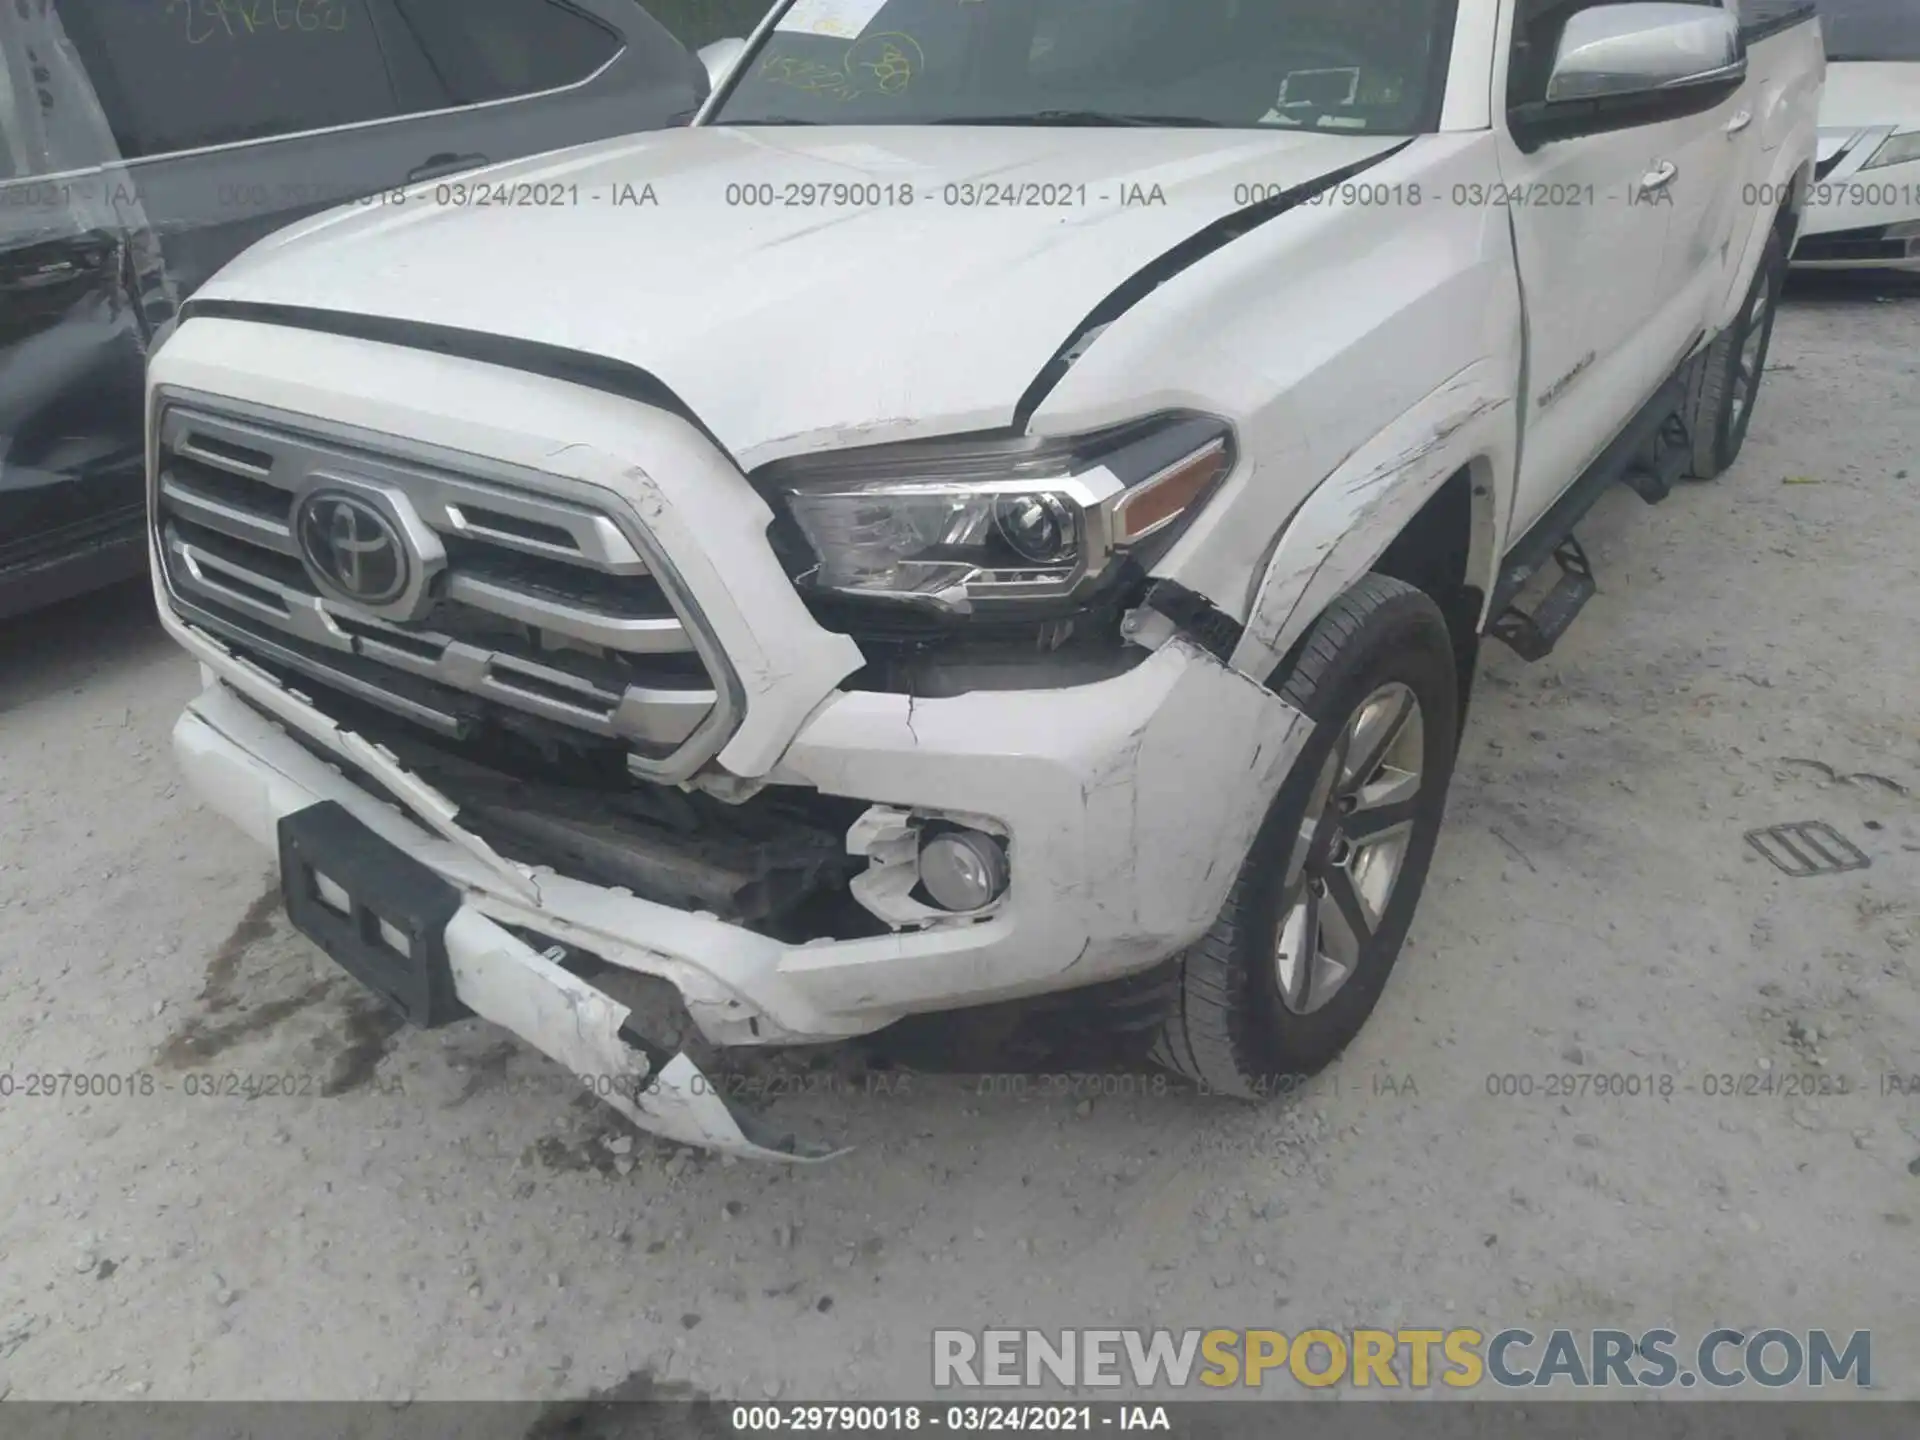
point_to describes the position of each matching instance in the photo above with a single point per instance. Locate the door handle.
(1740, 122)
(54, 272)
(1660, 178)
(443, 164)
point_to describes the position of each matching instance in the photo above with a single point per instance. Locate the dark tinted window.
(179, 74)
(1871, 29)
(1339, 65)
(492, 49)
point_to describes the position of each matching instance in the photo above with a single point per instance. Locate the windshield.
(1871, 29)
(1360, 68)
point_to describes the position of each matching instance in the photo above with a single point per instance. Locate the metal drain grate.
(1807, 847)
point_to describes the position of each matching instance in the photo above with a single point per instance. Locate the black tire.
(1225, 1026)
(1717, 423)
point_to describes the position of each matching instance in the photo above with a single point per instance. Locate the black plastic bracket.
(381, 883)
(1203, 622)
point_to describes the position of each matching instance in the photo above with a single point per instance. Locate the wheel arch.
(1447, 551)
(1784, 220)
(1422, 502)
(1793, 210)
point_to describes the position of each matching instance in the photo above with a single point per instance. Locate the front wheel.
(1725, 384)
(1302, 948)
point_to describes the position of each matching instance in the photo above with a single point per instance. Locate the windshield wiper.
(1084, 117)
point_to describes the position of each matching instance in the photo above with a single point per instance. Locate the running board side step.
(1648, 456)
(1532, 635)
(1659, 467)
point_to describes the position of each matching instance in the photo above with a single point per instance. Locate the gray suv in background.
(145, 143)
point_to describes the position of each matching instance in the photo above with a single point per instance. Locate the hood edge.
(536, 357)
(1214, 236)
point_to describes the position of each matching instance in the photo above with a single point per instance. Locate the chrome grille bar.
(451, 504)
(647, 635)
(548, 607)
(239, 521)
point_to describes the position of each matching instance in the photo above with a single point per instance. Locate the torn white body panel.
(503, 979)
(1129, 805)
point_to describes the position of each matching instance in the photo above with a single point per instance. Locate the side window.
(1537, 25)
(13, 135)
(494, 49)
(177, 75)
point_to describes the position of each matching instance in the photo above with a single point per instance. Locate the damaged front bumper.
(503, 979)
(1129, 804)
(235, 758)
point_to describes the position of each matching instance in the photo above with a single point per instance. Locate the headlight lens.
(997, 523)
(1895, 150)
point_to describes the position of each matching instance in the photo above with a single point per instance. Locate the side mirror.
(1614, 52)
(721, 56)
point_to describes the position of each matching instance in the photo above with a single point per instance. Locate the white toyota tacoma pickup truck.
(1007, 502)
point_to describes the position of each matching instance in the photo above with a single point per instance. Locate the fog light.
(963, 869)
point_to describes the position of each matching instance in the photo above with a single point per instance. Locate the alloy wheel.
(1352, 843)
(1753, 345)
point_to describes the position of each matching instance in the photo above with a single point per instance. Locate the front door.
(1718, 153)
(1591, 216)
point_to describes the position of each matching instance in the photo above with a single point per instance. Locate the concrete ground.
(443, 1215)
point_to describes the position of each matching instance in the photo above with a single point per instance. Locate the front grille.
(1844, 140)
(553, 612)
(1871, 242)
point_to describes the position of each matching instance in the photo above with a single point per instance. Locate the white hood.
(1867, 93)
(784, 325)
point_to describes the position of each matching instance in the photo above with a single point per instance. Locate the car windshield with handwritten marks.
(1326, 65)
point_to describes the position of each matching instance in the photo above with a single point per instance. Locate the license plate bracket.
(377, 912)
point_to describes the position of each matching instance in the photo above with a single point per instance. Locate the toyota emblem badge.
(351, 547)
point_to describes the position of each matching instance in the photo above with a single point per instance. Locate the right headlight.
(1896, 149)
(995, 525)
